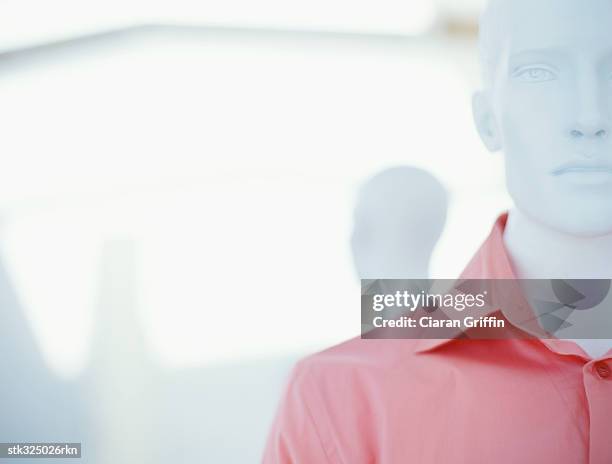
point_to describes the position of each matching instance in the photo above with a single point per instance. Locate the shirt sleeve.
(294, 437)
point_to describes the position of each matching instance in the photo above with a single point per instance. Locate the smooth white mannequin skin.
(547, 104)
(399, 217)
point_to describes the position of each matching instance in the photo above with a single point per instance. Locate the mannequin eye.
(534, 74)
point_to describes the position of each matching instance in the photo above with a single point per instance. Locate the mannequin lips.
(582, 168)
(584, 172)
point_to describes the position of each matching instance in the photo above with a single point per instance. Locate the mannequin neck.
(539, 252)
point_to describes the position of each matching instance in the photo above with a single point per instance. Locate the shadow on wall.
(125, 408)
(35, 405)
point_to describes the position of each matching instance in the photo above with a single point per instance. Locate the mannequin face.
(547, 106)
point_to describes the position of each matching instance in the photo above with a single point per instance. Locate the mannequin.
(547, 104)
(399, 217)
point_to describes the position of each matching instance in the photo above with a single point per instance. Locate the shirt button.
(603, 370)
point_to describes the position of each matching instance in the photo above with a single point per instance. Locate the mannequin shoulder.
(358, 357)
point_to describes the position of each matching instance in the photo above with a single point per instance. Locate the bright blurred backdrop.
(224, 142)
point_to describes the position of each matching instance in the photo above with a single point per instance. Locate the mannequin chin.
(577, 217)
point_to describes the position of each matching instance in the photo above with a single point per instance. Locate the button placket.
(597, 378)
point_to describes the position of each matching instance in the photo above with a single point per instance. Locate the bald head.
(403, 188)
(399, 217)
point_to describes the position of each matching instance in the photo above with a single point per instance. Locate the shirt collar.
(493, 262)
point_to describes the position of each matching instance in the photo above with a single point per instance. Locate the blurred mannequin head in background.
(399, 217)
(546, 103)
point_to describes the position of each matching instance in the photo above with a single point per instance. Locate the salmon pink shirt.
(448, 401)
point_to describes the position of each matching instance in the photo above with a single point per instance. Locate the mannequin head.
(547, 104)
(399, 218)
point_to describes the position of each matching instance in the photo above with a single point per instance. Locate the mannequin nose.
(592, 111)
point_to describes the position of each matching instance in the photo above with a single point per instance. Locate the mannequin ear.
(485, 122)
